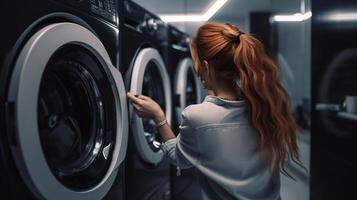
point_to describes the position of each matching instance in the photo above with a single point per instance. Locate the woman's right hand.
(145, 107)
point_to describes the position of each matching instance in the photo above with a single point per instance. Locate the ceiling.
(233, 9)
(175, 6)
(241, 8)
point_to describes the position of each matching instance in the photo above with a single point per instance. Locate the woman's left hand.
(145, 107)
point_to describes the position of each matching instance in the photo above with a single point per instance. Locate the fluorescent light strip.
(194, 17)
(213, 9)
(342, 16)
(298, 17)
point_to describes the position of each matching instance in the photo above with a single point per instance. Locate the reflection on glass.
(291, 42)
(72, 117)
(153, 87)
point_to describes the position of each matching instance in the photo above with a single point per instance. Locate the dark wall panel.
(334, 76)
(260, 27)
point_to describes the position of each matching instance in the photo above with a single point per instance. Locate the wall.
(334, 72)
(234, 11)
(294, 49)
(192, 27)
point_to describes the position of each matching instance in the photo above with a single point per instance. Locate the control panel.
(105, 8)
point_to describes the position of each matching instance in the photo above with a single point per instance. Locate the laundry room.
(178, 99)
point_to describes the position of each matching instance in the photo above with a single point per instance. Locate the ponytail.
(268, 103)
(269, 109)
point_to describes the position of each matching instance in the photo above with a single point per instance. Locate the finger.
(140, 113)
(133, 99)
(143, 97)
(137, 106)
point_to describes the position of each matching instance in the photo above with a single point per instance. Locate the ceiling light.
(298, 17)
(352, 16)
(194, 17)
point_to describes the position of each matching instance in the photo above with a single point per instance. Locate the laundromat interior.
(69, 131)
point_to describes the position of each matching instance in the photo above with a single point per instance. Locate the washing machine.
(186, 86)
(63, 119)
(187, 90)
(144, 63)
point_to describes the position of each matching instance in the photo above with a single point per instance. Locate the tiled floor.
(299, 189)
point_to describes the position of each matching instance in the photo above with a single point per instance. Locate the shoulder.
(191, 110)
(199, 114)
(211, 112)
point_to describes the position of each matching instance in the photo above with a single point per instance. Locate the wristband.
(161, 123)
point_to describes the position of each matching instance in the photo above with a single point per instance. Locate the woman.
(239, 137)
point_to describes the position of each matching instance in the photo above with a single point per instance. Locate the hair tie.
(237, 38)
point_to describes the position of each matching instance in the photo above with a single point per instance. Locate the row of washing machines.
(67, 131)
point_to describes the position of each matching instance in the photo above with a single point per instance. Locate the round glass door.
(191, 89)
(150, 78)
(76, 118)
(70, 113)
(187, 87)
(153, 87)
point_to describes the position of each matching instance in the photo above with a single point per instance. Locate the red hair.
(234, 54)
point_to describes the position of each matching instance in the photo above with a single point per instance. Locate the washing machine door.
(70, 114)
(149, 77)
(187, 87)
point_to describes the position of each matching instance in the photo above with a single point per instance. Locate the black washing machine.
(63, 116)
(187, 90)
(186, 86)
(144, 48)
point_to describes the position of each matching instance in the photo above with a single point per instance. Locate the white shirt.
(216, 138)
